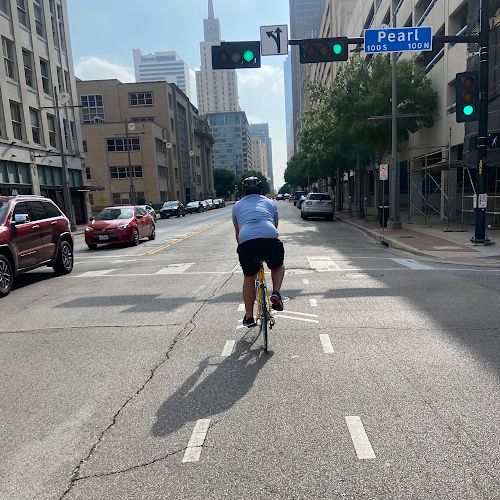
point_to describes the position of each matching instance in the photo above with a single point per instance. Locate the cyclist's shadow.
(216, 393)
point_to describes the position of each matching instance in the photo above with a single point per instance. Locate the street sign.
(482, 200)
(398, 40)
(384, 172)
(274, 40)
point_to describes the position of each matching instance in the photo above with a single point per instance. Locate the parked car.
(195, 207)
(280, 197)
(286, 196)
(150, 210)
(300, 201)
(297, 195)
(210, 203)
(33, 233)
(217, 203)
(317, 205)
(123, 224)
(205, 205)
(171, 208)
(223, 202)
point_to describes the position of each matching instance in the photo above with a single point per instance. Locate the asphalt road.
(131, 379)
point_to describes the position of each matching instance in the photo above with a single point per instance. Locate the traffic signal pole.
(482, 137)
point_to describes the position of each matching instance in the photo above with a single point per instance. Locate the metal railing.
(426, 12)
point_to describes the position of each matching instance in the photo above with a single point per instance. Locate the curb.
(391, 243)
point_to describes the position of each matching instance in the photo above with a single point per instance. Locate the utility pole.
(394, 221)
(132, 199)
(68, 205)
(482, 136)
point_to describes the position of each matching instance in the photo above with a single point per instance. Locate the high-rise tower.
(217, 89)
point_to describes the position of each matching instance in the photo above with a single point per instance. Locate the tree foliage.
(336, 131)
(224, 181)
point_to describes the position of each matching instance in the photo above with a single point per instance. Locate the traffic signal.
(467, 96)
(317, 50)
(236, 55)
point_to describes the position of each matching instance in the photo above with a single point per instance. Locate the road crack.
(183, 334)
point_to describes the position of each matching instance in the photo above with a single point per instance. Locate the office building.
(259, 156)
(37, 65)
(162, 66)
(290, 142)
(261, 131)
(232, 149)
(217, 90)
(169, 143)
(305, 21)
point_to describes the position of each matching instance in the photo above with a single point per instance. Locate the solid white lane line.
(326, 343)
(313, 302)
(193, 450)
(359, 438)
(175, 268)
(241, 308)
(286, 311)
(306, 282)
(93, 274)
(411, 264)
(307, 320)
(228, 348)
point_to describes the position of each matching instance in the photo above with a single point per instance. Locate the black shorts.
(253, 252)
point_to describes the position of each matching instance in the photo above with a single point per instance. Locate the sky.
(104, 32)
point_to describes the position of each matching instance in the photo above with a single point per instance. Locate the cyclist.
(255, 219)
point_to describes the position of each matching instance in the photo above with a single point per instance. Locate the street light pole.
(482, 136)
(68, 205)
(132, 199)
(394, 221)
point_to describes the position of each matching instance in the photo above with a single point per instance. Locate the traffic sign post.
(382, 41)
(274, 40)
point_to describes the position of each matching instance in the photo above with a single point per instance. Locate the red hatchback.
(33, 233)
(120, 225)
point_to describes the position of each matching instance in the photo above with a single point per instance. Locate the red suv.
(33, 233)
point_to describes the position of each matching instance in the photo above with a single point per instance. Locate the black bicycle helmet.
(252, 185)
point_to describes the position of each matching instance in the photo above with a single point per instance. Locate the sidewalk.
(434, 239)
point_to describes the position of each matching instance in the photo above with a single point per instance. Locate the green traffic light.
(337, 48)
(248, 55)
(468, 110)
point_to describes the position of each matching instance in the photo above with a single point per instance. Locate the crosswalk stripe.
(194, 447)
(322, 263)
(241, 307)
(92, 274)
(175, 268)
(359, 438)
(411, 264)
(307, 320)
(228, 348)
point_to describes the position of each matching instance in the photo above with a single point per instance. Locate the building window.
(8, 57)
(66, 133)
(38, 11)
(22, 13)
(88, 173)
(162, 172)
(123, 172)
(85, 149)
(35, 125)
(44, 70)
(170, 101)
(4, 6)
(160, 145)
(53, 21)
(60, 83)
(67, 81)
(119, 145)
(143, 119)
(174, 150)
(72, 128)
(176, 171)
(51, 125)
(172, 123)
(28, 68)
(121, 199)
(60, 18)
(92, 108)
(17, 120)
(141, 98)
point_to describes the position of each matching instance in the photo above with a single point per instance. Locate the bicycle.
(264, 316)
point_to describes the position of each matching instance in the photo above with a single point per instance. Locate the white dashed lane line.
(195, 445)
(241, 308)
(228, 348)
(92, 274)
(359, 438)
(412, 264)
(175, 268)
(326, 343)
(313, 302)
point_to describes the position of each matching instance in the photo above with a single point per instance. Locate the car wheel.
(152, 236)
(92, 246)
(329, 217)
(64, 260)
(162, 216)
(136, 239)
(184, 215)
(304, 216)
(6, 276)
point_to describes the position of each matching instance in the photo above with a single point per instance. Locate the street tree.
(224, 181)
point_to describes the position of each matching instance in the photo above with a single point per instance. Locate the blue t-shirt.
(255, 216)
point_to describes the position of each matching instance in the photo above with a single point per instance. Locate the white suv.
(317, 205)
